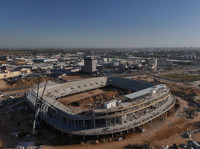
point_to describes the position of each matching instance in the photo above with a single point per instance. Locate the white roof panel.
(143, 92)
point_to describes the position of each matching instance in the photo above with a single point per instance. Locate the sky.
(99, 23)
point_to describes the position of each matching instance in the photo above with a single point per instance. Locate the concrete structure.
(146, 103)
(163, 62)
(194, 144)
(153, 63)
(89, 65)
(45, 60)
(111, 104)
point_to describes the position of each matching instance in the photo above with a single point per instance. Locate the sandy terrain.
(14, 91)
(76, 97)
(88, 100)
(3, 85)
(74, 77)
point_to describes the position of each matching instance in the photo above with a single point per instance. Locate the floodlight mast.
(38, 104)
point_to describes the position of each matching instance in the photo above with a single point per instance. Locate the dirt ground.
(13, 119)
(69, 99)
(87, 100)
(182, 77)
(21, 83)
(28, 82)
(74, 77)
(4, 85)
(14, 91)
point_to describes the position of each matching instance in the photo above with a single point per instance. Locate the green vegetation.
(182, 77)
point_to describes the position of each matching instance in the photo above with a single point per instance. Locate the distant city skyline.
(99, 23)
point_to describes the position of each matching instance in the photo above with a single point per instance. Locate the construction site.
(121, 112)
(133, 104)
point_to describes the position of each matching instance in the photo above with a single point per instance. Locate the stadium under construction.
(123, 113)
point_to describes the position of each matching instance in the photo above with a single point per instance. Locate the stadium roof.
(143, 92)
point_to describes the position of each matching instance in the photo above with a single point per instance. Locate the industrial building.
(142, 104)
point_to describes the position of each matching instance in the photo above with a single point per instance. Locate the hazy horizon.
(99, 23)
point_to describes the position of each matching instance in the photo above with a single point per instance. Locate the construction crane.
(38, 104)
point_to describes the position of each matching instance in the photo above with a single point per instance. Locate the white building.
(112, 104)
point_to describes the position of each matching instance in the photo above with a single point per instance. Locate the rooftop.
(144, 91)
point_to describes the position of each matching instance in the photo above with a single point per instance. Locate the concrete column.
(84, 124)
(94, 124)
(61, 119)
(115, 120)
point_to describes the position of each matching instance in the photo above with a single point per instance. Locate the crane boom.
(38, 105)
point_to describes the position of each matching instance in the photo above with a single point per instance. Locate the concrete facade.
(89, 65)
